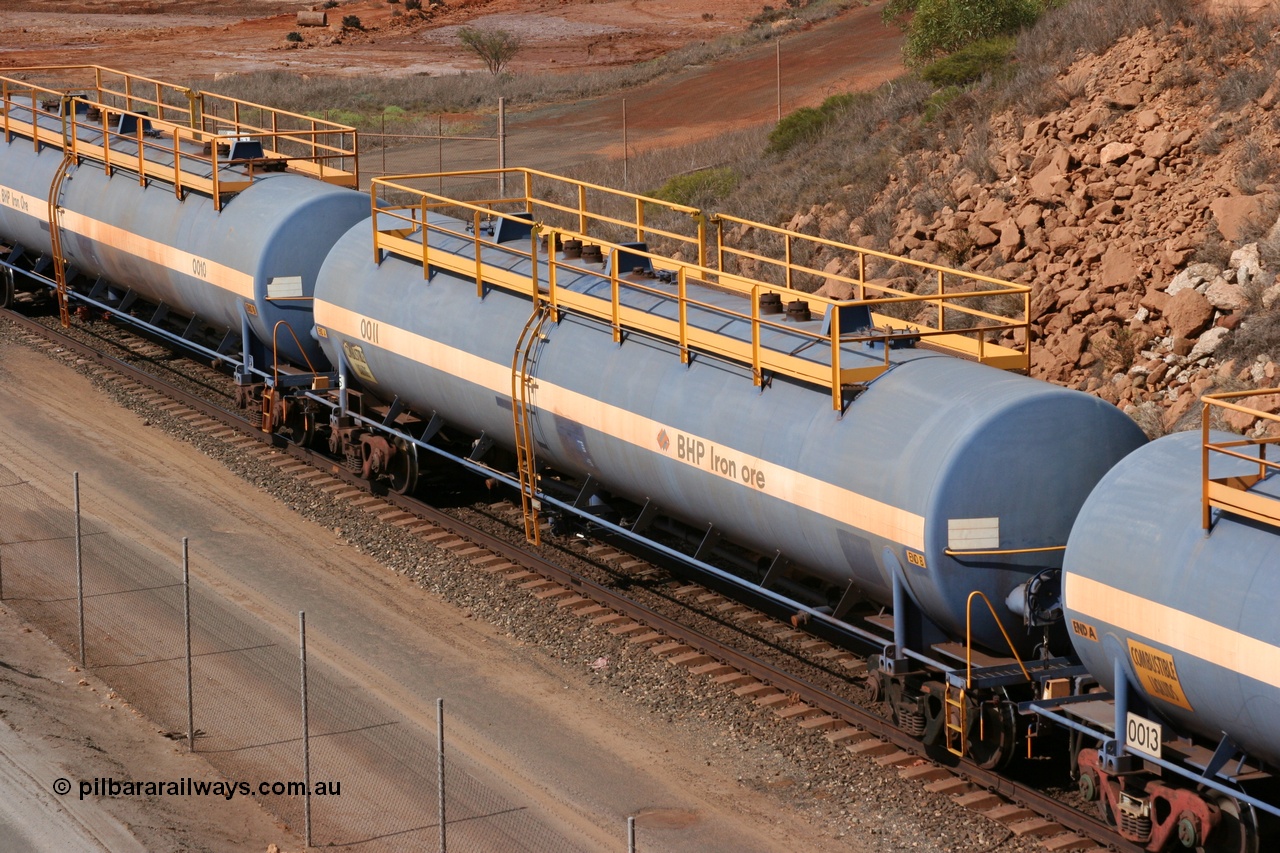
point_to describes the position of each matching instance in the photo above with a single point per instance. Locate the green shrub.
(293, 37)
(807, 123)
(944, 26)
(802, 125)
(495, 48)
(938, 101)
(702, 188)
(412, 5)
(971, 62)
(351, 22)
(769, 15)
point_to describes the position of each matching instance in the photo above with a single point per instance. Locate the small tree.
(495, 48)
(937, 27)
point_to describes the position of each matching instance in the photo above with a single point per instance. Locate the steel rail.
(828, 702)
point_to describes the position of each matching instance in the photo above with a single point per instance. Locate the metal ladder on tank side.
(55, 239)
(953, 702)
(521, 380)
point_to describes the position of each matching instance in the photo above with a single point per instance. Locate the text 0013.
(1143, 735)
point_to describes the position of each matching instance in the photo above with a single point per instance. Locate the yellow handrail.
(1234, 494)
(395, 220)
(1003, 551)
(315, 147)
(988, 286)
(968, 638)
(539, 191)
(275, 350)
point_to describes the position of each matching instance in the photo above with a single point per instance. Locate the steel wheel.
(993, 735)
(1236, 832)
(294, 423)
(403, 470)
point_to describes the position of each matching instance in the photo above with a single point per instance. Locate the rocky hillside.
(1141, 208)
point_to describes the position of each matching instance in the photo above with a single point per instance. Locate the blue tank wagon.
(1171, 588)
(191, 223)
(878, 459)
(915, 479)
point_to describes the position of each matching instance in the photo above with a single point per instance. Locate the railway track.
(768, 683)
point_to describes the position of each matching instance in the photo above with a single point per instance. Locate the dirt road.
(853, 52)
(186, 41)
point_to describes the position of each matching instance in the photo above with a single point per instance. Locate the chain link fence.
(377, 778)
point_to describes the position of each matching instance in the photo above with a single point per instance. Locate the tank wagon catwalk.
(876, 465)
(203, 217)
(858, 455)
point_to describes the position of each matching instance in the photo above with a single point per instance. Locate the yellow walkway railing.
(402, 225)
(1233, 493)
(178, 135)
(966, 335)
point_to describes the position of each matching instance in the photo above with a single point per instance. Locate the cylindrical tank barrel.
(263, 249)
(313, 19)
(937, 457)
(1189, 614)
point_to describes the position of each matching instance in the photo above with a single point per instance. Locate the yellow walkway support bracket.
(957, 315)
(1236, 494)
(521, 384)
(163, 132)
(954, 698)
(55, 239)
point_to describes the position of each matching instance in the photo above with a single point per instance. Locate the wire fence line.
(376, 776)
(393, 152)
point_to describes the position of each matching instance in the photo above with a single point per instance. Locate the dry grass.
(852, 163)
(1083, 27)
(859, 162)
(1258, 164)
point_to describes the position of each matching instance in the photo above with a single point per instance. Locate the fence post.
(440, 766)
(186, 619)
(1, 573)
(502, 147)
(777, 59)
(75, 485)
(306, 734)
(631, 834)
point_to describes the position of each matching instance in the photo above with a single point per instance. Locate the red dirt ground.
(182, 40)
(176, 39)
